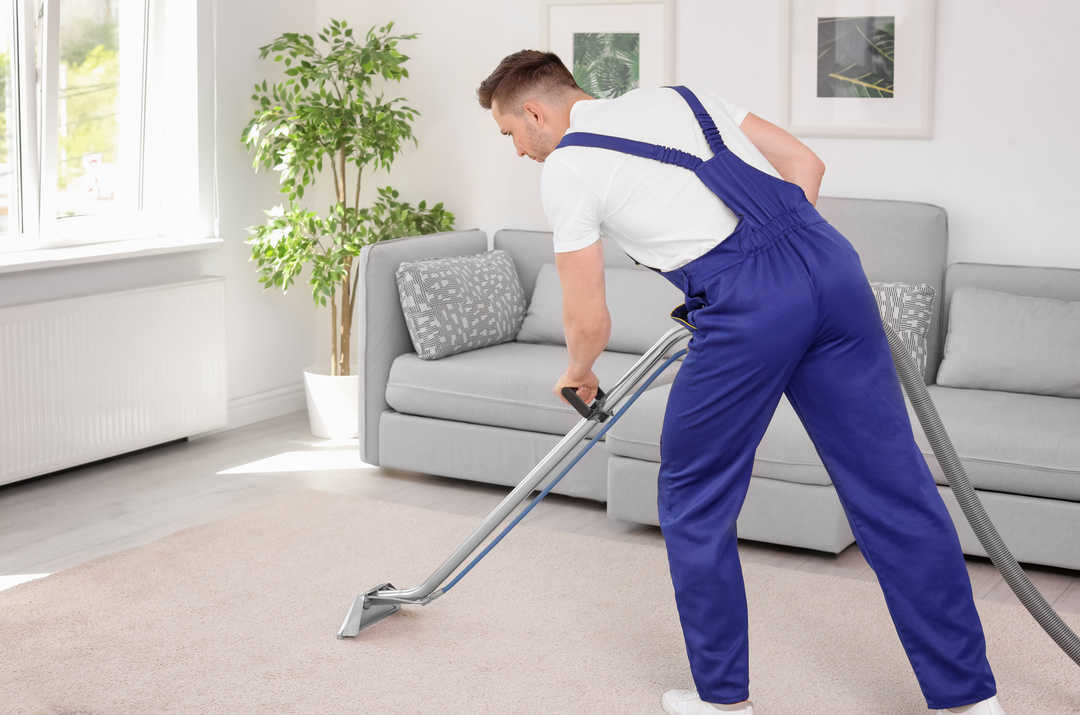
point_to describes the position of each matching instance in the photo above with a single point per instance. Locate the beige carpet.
(241, 615)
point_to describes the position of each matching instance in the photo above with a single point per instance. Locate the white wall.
(1001, 162)
(270, 333)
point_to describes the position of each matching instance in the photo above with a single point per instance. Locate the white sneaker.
(687, 702)
(990, 706)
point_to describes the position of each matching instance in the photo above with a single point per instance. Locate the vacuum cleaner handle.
(570, 393)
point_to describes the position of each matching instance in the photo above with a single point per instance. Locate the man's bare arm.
(794, 161)
(586, 321)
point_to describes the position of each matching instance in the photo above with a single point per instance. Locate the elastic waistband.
(773, 228)
(750, 238)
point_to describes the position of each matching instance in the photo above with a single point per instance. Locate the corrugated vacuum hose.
(915, 387)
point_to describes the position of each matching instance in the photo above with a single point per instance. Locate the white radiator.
(95, 376)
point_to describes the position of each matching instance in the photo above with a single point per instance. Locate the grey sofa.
(489, 414)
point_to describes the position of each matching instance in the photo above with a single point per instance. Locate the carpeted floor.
(240, 616)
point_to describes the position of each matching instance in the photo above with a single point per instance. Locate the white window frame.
(23, 198)
(53, 231)
(33, 149)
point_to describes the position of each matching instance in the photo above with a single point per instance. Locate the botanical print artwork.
(606, 64)
(855, 56)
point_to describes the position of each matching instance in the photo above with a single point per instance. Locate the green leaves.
(283, 244)
(323, 98)
(293, 237)
(390, 218)
(320, 115)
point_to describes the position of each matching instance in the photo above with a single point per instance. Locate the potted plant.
(323, 114)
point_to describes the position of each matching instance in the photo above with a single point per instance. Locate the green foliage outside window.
(90, 97)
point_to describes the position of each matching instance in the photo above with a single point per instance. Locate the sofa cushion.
(505, 385)
(637, 433)
(639, 301)
(1017, 343)
(907, 308)
(1009, 442)
(785, 452)
(458, 303)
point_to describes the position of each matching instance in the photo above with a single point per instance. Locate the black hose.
(915, 387)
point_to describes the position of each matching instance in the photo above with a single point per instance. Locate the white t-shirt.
(662, 215)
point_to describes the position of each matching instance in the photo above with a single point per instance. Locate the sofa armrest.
(378, 323)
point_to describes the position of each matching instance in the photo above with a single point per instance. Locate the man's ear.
(534, 109)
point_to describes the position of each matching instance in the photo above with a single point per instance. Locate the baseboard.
(263, 405)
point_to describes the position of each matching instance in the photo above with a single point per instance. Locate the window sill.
(36, 258)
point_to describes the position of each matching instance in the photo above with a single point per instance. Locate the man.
(778, 304)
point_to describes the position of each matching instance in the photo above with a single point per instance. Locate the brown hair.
(521, 72)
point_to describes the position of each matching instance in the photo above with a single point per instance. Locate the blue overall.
(782, 305)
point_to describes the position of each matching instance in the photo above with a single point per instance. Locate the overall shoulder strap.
(667, 155)
(712, 134)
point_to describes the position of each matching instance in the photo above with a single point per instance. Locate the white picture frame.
(860, 68)
(653, 21)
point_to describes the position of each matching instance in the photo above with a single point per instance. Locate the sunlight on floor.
(11, 580)
(302, 461)
(322, 443)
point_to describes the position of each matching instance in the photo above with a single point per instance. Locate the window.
(6, 129)
(106, 120)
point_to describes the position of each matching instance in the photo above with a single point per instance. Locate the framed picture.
(612, 47)
(860, 68)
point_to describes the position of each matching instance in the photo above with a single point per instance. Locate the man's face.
(529, 131)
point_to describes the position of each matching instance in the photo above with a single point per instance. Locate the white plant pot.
(333, 402)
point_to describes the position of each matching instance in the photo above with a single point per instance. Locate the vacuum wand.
(383, 600)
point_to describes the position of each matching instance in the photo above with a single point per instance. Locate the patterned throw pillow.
(460, 303)
(907, 308)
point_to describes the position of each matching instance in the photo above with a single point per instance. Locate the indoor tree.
(323, 113)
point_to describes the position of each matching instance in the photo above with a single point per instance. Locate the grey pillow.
(639, 301)
(460, 303)
(907, 308)
(1015, 343)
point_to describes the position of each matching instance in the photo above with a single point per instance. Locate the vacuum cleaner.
(384, 600)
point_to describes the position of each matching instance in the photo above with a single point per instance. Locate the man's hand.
(586, 385)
